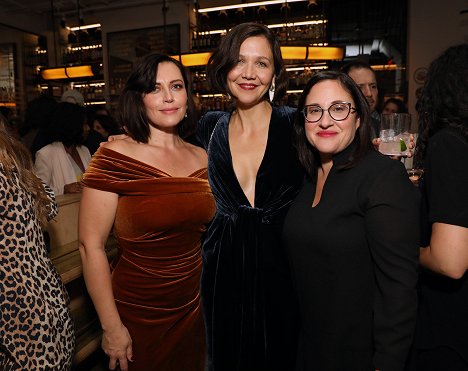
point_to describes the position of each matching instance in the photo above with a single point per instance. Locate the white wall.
(433, 26)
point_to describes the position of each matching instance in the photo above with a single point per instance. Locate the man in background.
(364, 76)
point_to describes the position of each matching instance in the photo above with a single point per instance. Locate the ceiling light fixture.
(246, 5)
(318, 53)
(72, 72)
(85, 27)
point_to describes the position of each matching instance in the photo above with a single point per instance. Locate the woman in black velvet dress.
(248, 300)
(352, 237)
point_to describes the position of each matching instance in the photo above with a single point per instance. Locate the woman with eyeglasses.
(351, 236)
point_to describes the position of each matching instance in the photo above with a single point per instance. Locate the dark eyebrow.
(172, 82)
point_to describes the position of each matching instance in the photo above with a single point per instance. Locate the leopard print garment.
(36, 329)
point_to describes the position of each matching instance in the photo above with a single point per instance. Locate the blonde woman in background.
(36, 329)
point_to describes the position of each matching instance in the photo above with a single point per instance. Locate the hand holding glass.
(394, 134)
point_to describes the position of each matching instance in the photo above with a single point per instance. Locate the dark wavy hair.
(444, 99)
(308, 154)
(66, 124)
(142, 80)
(225, 57)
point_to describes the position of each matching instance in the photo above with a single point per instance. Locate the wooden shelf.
(87, 343)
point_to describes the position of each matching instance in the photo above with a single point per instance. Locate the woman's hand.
(117, 344)
(376, 143)
(76, 187)
(114, 137)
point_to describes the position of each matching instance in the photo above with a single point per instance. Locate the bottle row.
(90, 53)
(308, 33)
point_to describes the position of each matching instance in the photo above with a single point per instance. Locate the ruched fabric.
(248, 298)
(159, 223)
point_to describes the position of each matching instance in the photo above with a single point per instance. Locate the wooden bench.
(63, 232)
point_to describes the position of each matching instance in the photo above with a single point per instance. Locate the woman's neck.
(251, 117)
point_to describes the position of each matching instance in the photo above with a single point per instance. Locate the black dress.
(354, 259)
(249, 305)
(443, 317)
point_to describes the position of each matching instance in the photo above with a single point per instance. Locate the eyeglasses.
(338, 111)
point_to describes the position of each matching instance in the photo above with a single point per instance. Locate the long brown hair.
(15, 157)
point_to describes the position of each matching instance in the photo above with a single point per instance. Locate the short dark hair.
(66, 124)
(225, 57)
(356, 64)
(308, 155)
(142, 80)
(444, 98)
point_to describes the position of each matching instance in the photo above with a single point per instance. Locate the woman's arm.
(448, 250)
(445, 186)
(97, 214)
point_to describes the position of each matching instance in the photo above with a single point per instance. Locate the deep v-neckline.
(226, 128)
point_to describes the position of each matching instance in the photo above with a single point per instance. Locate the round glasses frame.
(346, 104)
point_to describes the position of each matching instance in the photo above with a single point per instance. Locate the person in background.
(95, 138)
(105, 125)
(351, 235)
(33, 131)
(73, 96)
(35, 323)
(442, 150)
(250, 307)
(394, 105)
(62, 163)
(364, 76)
(152, 187)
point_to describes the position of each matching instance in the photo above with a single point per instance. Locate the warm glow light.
(386, 67)
(288, 52)
(193, 59)
(67, 72)
(325, 53)
(294, 52)
(276, 25)
(95, 103)
(95, 25)
(246, 5)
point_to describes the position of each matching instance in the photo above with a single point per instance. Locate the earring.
(185, 115)
(271, 91)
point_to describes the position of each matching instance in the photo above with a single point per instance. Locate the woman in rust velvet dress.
(152, 187)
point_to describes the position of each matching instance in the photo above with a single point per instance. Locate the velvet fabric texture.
(159, 222)
(249, 304)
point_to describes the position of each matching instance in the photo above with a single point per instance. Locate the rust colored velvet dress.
(159, 223)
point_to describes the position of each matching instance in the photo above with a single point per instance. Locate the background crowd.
(277, 236)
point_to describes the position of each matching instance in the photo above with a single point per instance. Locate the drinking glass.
(394, 134)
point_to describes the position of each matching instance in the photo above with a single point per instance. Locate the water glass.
(394, 134)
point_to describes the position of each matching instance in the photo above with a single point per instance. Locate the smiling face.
(327, 135)
(249, 80)
(366, 81)
(167, 103)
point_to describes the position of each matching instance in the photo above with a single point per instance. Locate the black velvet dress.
(248, 301)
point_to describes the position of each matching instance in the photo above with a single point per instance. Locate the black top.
(444, 301)
(354, 258)
(249, 305)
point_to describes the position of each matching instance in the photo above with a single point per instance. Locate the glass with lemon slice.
(394, 134)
